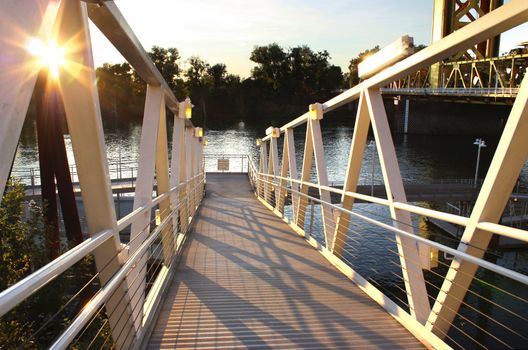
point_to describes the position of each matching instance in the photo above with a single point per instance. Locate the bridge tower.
(451, 15)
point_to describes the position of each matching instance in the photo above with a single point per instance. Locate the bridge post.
(162, 180)
(83, 116)
(263, 169)
(409, 251)
(500, 180)
(289, 162)
(17, 81)
(273, 164)
(177, 162)
(313, 148)
(189, 135)
(148, 157)
(357, 149)
(196, 166)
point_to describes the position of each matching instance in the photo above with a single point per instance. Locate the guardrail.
(438, 297)
(105, 291)
(161, 247)
(475, 92)
(226, 163)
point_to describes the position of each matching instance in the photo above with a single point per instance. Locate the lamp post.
(479, 143)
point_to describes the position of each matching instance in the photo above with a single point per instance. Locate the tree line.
(281, 85)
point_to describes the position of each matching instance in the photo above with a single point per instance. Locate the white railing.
(476, 92)
(226, 163)
(436, 296)
(126, 278)
(186, 208)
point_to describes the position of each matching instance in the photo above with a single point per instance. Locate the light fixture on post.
(157, 215)
(479, 143)
(206, 142)
(198, 132)
(316, 111)
(185, 109)
(273, 132)
(386, 57)
(259, 142)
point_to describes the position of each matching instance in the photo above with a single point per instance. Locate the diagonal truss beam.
(500, 180)
(289, 163)
(314, 150)
(83, 114)
(357, 149)
(17, 79)
(407, 248)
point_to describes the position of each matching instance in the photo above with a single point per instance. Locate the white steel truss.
(414, 251)
(67, 23)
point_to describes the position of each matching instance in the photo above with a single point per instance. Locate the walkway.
(246, 280)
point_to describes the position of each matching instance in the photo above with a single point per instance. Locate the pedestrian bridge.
(225, 261)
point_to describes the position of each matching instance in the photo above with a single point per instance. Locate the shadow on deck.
(247, 280)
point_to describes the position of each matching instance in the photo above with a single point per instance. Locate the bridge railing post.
(289, 163)
(273, 165)
(313, 149)
(263, 169)
(83, 116)
(507, 163)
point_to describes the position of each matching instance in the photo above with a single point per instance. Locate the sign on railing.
(223, 165)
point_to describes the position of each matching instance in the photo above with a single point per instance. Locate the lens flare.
(48, 55)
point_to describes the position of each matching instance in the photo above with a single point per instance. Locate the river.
(372, 251)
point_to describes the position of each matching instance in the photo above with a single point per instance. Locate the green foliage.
(297, 74)
(167, 62)
(23, 242)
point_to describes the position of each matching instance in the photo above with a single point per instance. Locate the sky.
(225, 31)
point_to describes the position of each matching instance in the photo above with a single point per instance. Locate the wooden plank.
(247, 280)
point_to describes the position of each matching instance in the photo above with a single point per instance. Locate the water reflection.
(370, 250)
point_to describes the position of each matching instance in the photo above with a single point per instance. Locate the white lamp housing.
(386, 57)
(198, 132)
(274, 132)
(185, 109)
(316, 111)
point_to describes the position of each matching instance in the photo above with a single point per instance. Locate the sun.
(48, 54)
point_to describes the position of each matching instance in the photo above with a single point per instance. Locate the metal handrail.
(498, 229)
(457, 253)
(98, 300)
(26, 287)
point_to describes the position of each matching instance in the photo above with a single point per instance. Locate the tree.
(272, 64)
(167, 62)
(218, 75)
(198, 79)
(298, 74)
(121, 92)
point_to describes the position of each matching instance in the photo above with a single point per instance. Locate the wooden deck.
(246, 280)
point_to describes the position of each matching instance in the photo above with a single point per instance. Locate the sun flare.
(48, 55)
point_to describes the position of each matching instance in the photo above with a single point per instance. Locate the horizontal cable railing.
(448, 291)
(155, 255)
(226, 163)
(362, 223)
